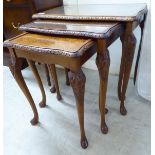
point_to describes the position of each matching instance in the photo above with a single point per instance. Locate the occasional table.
(70, 35)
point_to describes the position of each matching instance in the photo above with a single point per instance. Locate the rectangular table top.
(56, 45)
(104, 12)
(72, 28)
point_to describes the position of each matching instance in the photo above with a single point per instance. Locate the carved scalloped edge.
(95, 18)
(78, 53)
(106, 34)
(60, 22)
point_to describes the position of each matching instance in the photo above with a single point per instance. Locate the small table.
(131, 15)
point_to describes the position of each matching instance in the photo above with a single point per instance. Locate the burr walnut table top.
(83, 29)
(56, 45)
(105, 12)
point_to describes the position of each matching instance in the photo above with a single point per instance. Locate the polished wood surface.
(77, 81)
(17, 74)
(77, 78)
(128, 49)
(38, 79)
(132, 15)
(71, 53)
(103, 63)
(50, 44)
(83, 29)
(109, 12)
(135, 13)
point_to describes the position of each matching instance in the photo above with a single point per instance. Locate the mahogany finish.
(43, 48)
(77, 80)
(38, 79)
(16, 72)
(95, 30)
(100, 12)
(71, 53)
(131, 15)
(72, 28)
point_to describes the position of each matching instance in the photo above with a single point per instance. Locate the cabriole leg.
(121, 73)
(38, 79)
(77, 81)
(129, 45)
(103, 62)
(47, 75)
(16, 72)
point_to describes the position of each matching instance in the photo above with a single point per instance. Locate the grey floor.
(58, 130)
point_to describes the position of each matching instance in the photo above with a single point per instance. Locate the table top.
(56, 45)
(72, 28)
(104, 12)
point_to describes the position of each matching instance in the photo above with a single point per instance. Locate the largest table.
(131, 15)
